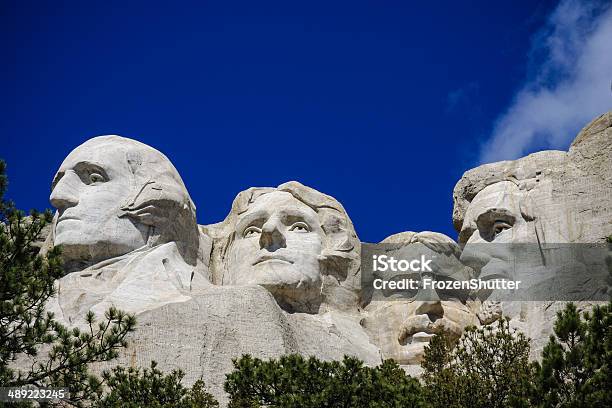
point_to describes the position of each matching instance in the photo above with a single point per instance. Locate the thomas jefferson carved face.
(88, 191)
(278, 243)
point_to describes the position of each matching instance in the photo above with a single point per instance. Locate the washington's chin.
(70, 237)
(76, 247)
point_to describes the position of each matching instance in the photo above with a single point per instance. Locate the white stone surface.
(402, 328)
(296, 242)
(127, 228)
(202, 335)
(281, 274)
(549, 197)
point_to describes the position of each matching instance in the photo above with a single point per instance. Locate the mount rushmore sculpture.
(282, 273)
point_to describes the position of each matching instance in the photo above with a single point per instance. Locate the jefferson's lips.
(272, 258)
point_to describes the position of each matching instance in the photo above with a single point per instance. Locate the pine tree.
(295, 382)
(135, 388)
(26, 283)
(575, 367)
(487, 367)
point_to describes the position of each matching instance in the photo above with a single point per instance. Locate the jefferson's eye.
(96, 178)
(300, 227)
(500, 226)
(251, 232)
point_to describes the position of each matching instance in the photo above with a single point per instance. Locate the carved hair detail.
(159, 198)
(340, 257)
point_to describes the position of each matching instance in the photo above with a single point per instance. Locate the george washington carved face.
(88, 191)
(114, 195)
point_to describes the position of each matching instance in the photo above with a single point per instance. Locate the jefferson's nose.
(271, 237)
(65, 194)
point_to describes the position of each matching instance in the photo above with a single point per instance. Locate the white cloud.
(570, 86)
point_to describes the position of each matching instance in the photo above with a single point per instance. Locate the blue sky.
(382, 105)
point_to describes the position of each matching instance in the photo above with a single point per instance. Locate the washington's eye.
(96, 178)
(251, 232)
(300, 227)
(500, 226)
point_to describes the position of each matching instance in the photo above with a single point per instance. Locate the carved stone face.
(404, 327)
(278, 243)
(494, 217)
(90, 187)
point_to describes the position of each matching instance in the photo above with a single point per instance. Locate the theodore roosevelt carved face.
(403, 325)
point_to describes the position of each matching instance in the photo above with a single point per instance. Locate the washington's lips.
(267, 258)
(67, 217)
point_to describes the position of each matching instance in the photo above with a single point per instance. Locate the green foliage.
(26, 283)
(487, 367)
(293, 381)
(135, 388)
(575, 367)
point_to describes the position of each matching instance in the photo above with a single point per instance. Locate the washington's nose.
(65, 192)
(271, 236)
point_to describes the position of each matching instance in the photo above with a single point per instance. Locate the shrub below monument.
(486, 367)
(575, 367)
(297, 382)
(135, 388)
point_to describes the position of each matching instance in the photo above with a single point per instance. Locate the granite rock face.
(295, 241)
(201, 336)
(282, 273)
(556, 196)
(402, 328)
(549, 197)
(128, 230)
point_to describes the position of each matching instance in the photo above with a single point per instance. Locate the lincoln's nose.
(66, 192)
